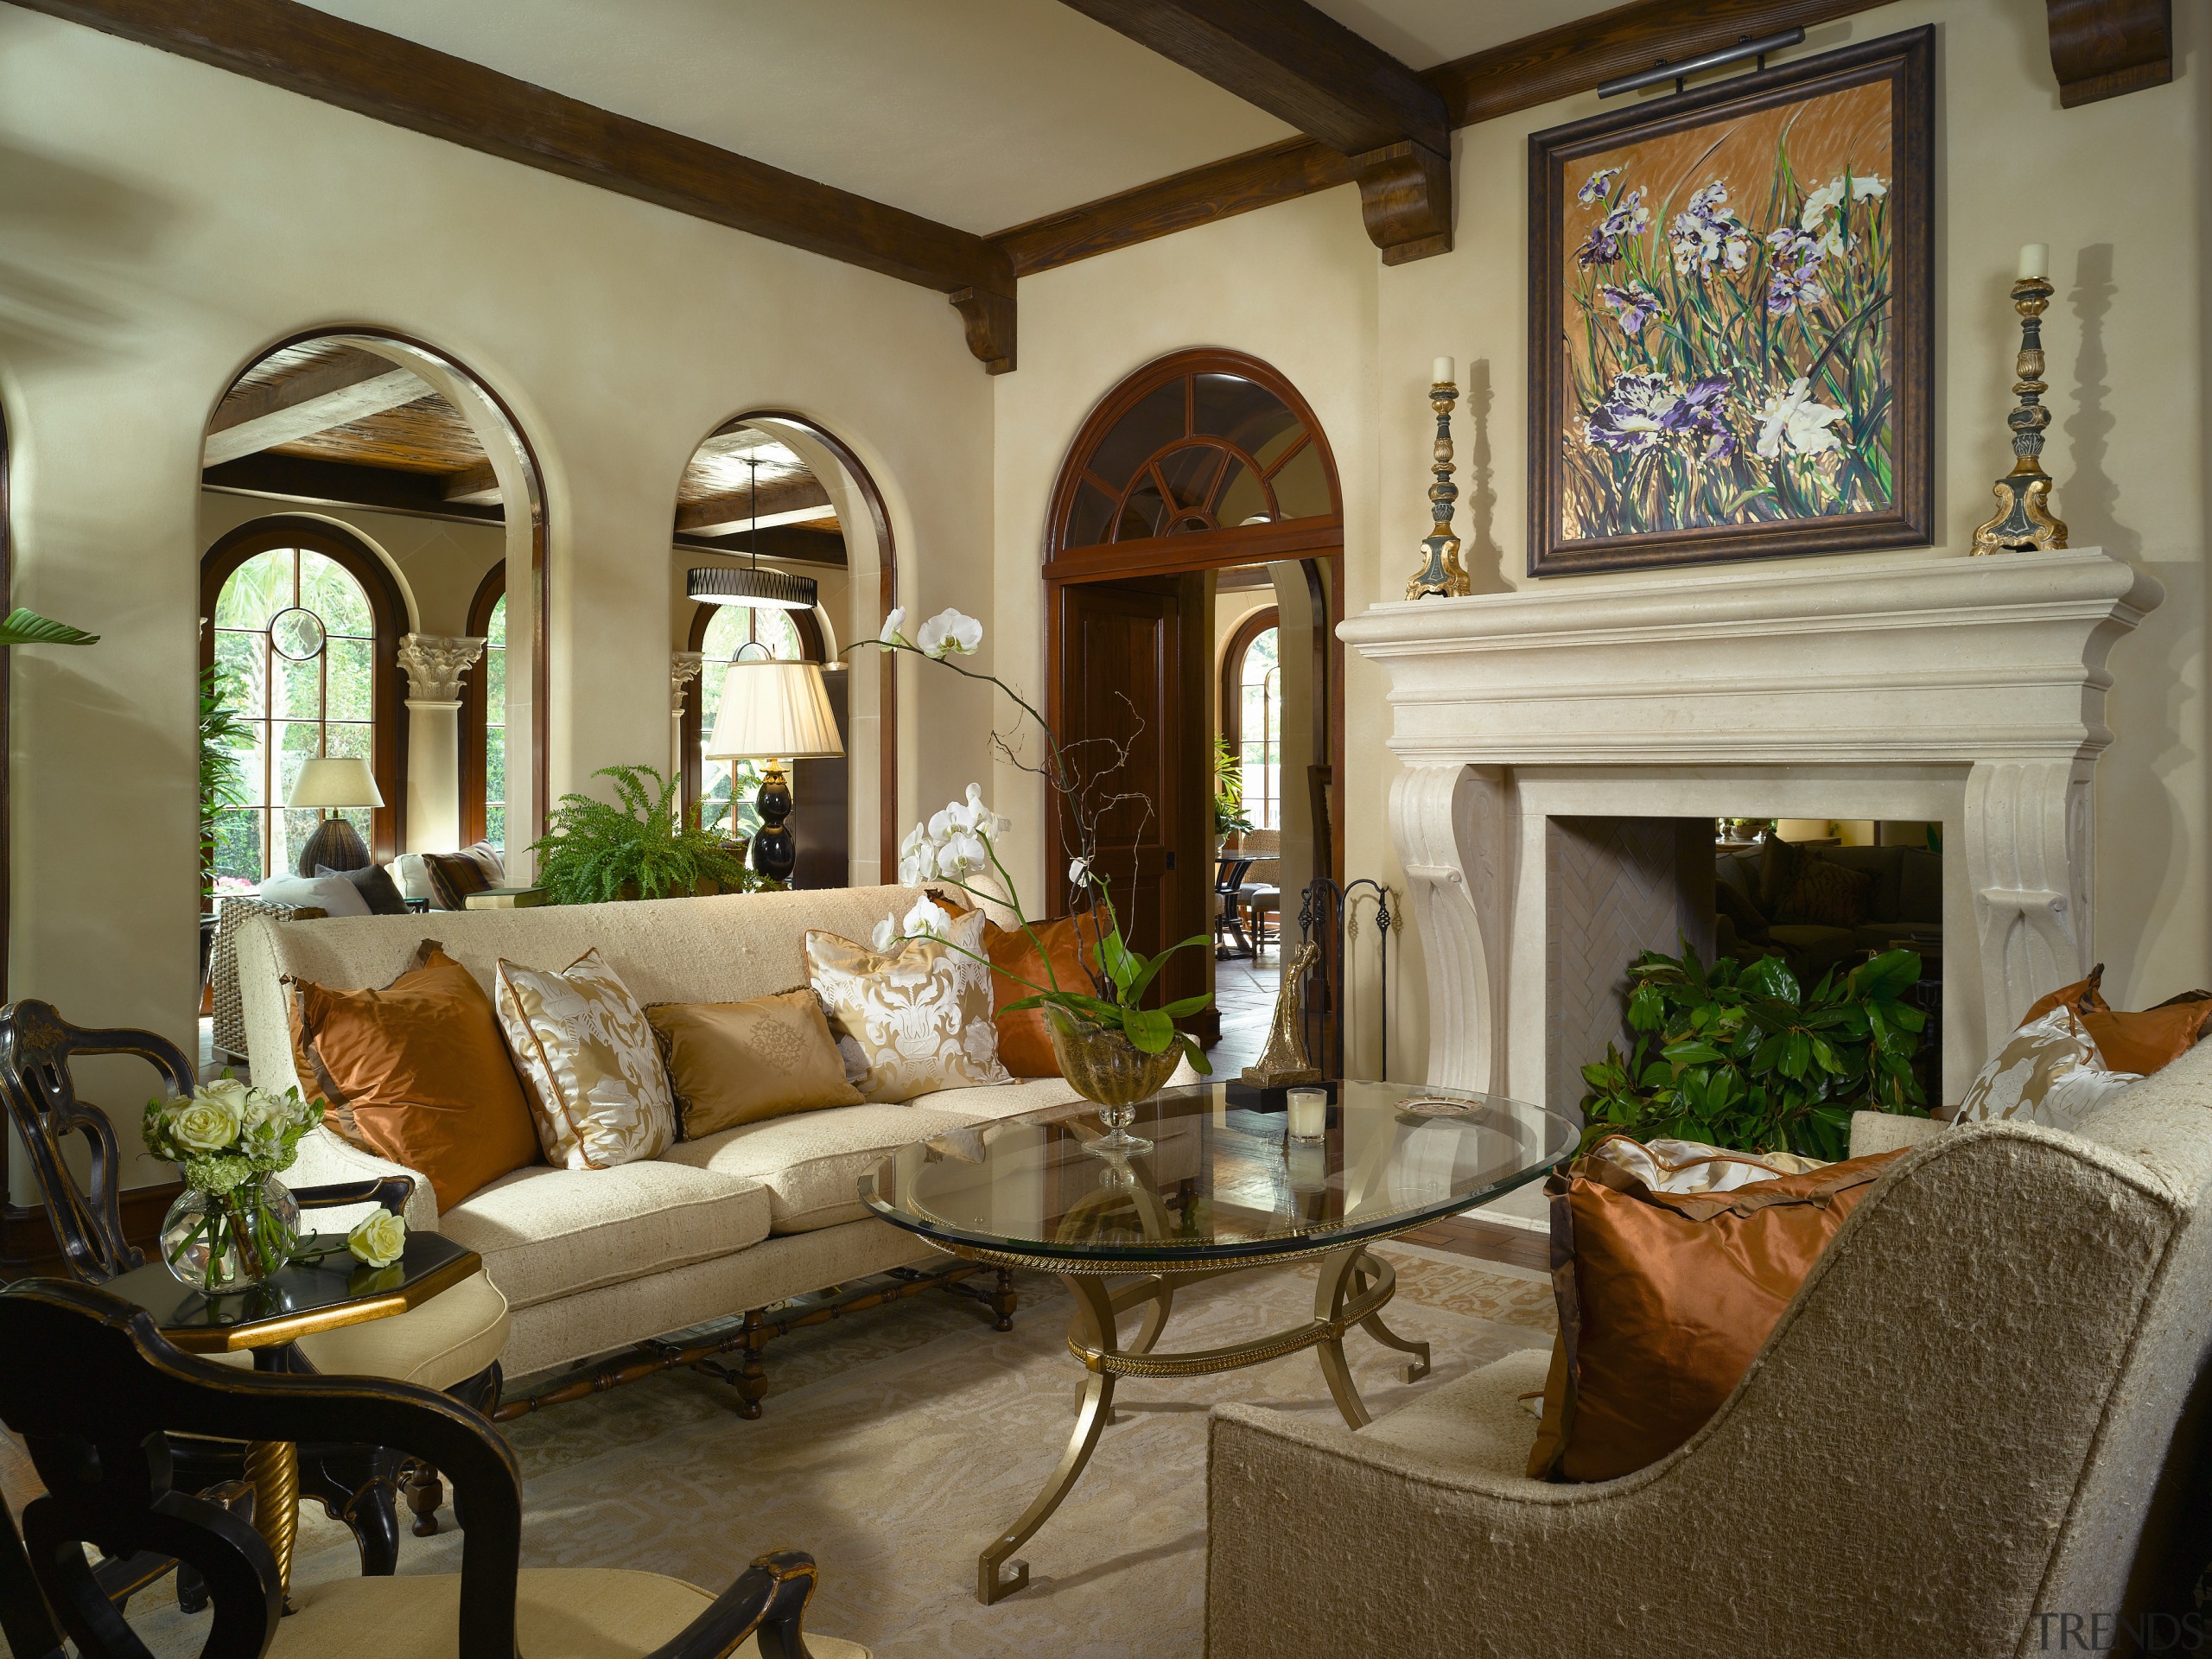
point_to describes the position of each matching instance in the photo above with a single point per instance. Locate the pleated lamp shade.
(774, 711)
(336, 781)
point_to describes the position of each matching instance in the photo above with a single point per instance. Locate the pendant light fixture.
(752, 587)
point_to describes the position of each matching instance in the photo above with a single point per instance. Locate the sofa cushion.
(545, 1233)
(917, 1016)
(998, 1102)
(812, 1163)
(733, 1063)
(589, 1065)
(1920, 887)
(1474, 1425)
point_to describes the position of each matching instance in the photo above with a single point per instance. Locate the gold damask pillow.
(914, 1020)
(588, 1063)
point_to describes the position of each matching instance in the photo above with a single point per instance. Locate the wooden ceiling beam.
(284, 44)
(785, 503)
(337, 484)
(2102, 48)
(348, 387)
(479, 485)
(783, 544)
(1298, 63)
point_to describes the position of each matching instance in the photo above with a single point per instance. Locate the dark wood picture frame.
(1906, 63)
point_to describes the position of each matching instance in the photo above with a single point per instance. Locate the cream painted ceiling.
(978, 113)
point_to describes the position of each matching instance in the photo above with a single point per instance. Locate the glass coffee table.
(1224, 1189)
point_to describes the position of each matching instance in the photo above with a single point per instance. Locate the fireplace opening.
(1821, 895)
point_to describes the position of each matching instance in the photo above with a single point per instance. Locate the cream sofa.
(1951, 1444)
(592, 1261)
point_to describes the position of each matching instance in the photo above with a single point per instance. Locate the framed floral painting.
(1730, 319)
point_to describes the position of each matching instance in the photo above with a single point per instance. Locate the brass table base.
(1353, 1289)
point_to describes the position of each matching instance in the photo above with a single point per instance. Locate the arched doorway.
(1201, 463)
(775, 488)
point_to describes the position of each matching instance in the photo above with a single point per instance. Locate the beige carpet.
(896, 1444)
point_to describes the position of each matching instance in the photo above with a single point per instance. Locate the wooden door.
(1133, 660)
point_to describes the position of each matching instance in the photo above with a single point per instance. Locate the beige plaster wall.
(161, 223)
(2117, 188)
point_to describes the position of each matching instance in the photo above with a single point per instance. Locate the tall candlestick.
(1442, 573)
(2024, 518)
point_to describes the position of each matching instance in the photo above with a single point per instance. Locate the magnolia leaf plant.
(960, 844)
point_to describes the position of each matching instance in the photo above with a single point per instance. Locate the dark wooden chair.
(100, 1409)
(356, 1483)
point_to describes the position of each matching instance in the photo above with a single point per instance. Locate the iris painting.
(1728, 305)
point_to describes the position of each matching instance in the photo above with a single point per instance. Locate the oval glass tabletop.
(1224, 1181)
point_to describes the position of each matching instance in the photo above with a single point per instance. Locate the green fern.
(640, 849)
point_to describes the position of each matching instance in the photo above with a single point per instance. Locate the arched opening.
(774, 491)
(1251, 715)
(1199, 487)
(303, 623)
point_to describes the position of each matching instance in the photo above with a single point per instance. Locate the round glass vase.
(1106, 1068)
(223, 1243)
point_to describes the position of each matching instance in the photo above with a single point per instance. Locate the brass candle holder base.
(2024, 520)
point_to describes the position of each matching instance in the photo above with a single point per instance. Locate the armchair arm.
(329, 1160)
(388, 1193)
(767, 1603)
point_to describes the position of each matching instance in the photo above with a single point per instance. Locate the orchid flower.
(949, 631)
(891, 625)
(1078, 872)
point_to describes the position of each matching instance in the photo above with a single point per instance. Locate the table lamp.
(329, 782)
(774, 712)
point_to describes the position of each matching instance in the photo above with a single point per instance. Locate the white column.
(683, 667)
(435, 664)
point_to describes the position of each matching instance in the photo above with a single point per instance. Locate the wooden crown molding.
(1300, 65)
(294, 47)
(2102, 48)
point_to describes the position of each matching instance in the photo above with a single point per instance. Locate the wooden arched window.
(719, 631)
(484, 718)
(1213, 445)
(307, 619)
(1251, 713)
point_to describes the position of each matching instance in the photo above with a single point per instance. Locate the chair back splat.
(36, 1048)
(95, 1407)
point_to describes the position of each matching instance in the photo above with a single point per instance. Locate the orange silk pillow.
(2140, 1042)
(1025, 1039)
(1664, 1298)
(416, 1072)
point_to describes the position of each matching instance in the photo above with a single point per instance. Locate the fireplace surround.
(1968, 692)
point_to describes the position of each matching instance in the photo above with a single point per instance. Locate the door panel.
(1125, 665)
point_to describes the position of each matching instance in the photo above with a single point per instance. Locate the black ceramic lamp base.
(775, 848)
(335, 845)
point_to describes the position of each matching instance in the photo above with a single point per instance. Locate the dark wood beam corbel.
(2102, 48)
(1298, 63)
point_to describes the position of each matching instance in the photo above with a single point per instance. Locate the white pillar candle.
(2034, 262)
(1439, 372)
(1309, 1114)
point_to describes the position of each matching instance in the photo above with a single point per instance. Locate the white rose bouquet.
(235, 1225)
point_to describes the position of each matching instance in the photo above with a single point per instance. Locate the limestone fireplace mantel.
(1968, 691)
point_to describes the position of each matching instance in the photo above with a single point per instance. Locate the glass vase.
(1106, 1069)
(228, 1241)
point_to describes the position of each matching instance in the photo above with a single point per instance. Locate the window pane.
(240, 655)
(238, 844)
(1092, 517)
(1191, 474)
(352, 680)
(349, 738)
(255, 591)
(729, 627)
(299, 688)
(295, 826)
(495, 825)
(252, 755)
(1144, 515)
(1241, 410)
(1156, 422)
(1301, 487)
(495, 686)
(495, 635)
(776, 630)
(1245, 498)
(495, 766)
(297, 742)
(329, 590)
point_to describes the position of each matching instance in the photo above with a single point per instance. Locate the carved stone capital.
(435, 664)
(1449, 824)
(683, 667)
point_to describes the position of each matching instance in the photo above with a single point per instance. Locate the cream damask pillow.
(2050, 1071)
(911, 1020)
(588, 1062)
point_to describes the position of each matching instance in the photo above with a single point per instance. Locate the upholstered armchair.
(1962, 1433)
(452, 1343)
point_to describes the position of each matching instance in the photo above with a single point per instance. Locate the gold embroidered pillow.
(588, 1062)
(914, 1019)
(733, 1063)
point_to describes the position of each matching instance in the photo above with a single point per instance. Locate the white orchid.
(1079, 872)
(891, 625)
(927, 919)
(917, 857)
(1794, 419)
(963, 855)
(950, 631)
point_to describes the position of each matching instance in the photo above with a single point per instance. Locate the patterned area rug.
(895, 1445)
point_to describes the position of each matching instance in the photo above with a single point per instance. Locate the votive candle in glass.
(1309, 1114)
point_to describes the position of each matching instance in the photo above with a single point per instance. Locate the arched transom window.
(300, 638)
(1207, 450)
